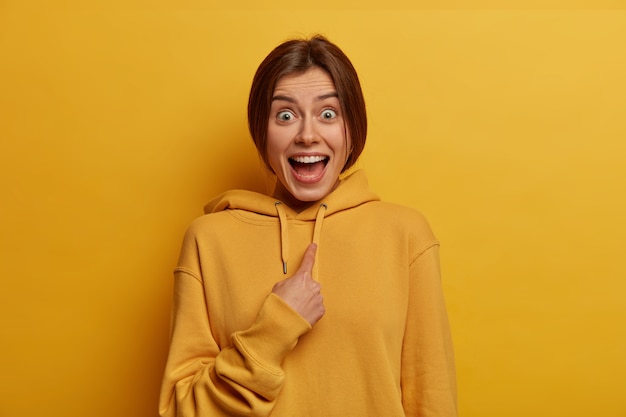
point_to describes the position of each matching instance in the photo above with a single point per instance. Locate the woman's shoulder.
(402, 220)
(208, 222)
(200, 229)
(398, 212)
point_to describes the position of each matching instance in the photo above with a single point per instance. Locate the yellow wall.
(506, 127)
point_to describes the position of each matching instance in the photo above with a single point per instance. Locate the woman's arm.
(428, 371)
(243, 379)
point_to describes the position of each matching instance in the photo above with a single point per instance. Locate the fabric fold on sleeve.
(263, 347)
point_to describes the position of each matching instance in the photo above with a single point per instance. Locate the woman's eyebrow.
(293, 100)
(284, 98)
(329, 95)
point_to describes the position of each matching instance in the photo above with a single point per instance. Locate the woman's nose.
(308, 133)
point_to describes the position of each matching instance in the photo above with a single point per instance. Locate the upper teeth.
(308, 159)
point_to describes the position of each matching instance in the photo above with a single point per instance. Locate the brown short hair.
(298, 56)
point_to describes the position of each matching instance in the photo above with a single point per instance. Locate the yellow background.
(505, 125)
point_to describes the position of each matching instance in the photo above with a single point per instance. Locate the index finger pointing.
(309, 259)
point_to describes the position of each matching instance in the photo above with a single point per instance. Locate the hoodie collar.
(351, 192)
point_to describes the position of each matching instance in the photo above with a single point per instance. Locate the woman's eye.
(284, 116)
(329, 114)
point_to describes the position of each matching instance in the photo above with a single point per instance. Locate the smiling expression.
(307, 141)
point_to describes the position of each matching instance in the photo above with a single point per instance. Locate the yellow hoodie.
(382, 349)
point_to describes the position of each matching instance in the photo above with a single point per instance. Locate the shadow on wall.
(232, 163)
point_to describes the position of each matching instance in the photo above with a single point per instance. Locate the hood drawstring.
(284, 233)
(319, 219)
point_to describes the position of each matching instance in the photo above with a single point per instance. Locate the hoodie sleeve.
(243, 379)
(428, 371)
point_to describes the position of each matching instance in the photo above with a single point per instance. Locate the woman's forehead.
(315, 82)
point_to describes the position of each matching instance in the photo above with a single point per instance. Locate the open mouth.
(309, 166)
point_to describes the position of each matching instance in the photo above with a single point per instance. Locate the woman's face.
(307, 142)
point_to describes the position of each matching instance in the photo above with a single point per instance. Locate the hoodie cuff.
(273, 335)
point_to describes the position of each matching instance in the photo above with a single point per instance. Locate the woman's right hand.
(301, 292)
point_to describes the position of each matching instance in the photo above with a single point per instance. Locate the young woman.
(319, 300)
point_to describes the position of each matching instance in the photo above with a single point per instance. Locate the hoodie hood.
(351, 192)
